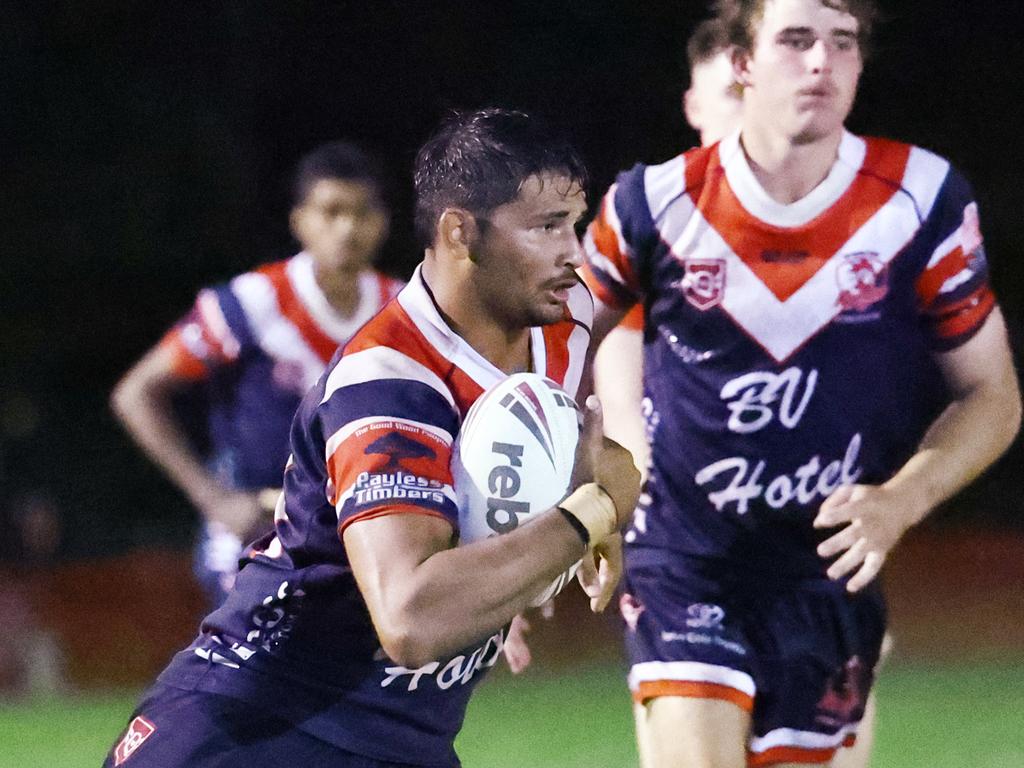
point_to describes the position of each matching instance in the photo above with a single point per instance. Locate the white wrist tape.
(594, 508)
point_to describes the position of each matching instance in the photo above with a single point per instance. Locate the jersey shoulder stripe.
(394, 340)
(204, 339)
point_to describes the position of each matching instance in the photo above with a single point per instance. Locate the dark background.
(146, 146)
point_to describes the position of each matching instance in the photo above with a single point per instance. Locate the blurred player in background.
(357, 630)
(802, 288)
(257, 344)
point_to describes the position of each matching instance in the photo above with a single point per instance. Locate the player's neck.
(508, 350)
(785, 169)
(504, 345)
(340, 288)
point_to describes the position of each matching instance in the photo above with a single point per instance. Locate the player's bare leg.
(642, 738)
(683, 732)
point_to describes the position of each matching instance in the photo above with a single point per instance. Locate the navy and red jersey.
(257, 344)
(788, 349)
(373, 437)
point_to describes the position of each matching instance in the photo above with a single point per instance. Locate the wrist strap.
(594, 510)
(577, 526)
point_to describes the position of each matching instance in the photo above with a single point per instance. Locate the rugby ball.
(513, 459)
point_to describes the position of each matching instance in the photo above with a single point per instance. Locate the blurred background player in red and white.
(713, 106)
(255, 345)
(806, 293)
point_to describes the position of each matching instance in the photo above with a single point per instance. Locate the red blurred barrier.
(119, 620)
(954, 596)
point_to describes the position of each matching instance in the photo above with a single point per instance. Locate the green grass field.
(930, 717)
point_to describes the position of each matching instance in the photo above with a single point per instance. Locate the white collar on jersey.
(752, 196)
(300, 273)
(417, 300)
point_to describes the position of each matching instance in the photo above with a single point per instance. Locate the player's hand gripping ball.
(514, 459)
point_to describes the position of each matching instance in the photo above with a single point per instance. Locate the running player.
(802, 287)
(712, 105)
(254, 346)
(357, 629)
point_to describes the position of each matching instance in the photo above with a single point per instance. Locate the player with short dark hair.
(339, 160)
(250, 348)
(475, 167)
(806, 291)
(357, 629)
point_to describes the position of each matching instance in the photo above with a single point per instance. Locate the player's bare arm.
(605, 319)
(970, 434)
(617, 382)
(142, 403)
(428, 598)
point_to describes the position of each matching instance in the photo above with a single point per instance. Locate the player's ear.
(456, 231)
(295, 222)
(740, 65)
(690, 109)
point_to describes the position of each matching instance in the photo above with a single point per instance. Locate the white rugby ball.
(514, 458)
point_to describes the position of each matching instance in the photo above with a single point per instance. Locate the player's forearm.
(618, 372)
(970, 434)
(460, 595)
(145, 411)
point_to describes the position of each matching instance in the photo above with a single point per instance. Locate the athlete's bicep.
(384, 553)
(983, 361)
(606, 317)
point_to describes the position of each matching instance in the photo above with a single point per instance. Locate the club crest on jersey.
(863, 281)
(703, 282)
(138, 731)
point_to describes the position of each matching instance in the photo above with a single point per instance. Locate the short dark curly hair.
(708, 40)
(479, 160)
(339, 160)
(740, 18)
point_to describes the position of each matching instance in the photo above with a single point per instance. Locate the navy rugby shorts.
(174, 728)
(798, 656)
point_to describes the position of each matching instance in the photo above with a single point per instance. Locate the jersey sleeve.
(616, 242)
(389, 426)
(212, 334)
(634, 319)
(953, 291)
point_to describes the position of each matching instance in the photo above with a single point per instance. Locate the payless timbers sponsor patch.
(392, 451)
(375, 487)
(138, 731)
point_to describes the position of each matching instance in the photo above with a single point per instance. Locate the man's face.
(801, 76)
(713, 103)
(341, 224)
(527, 252)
